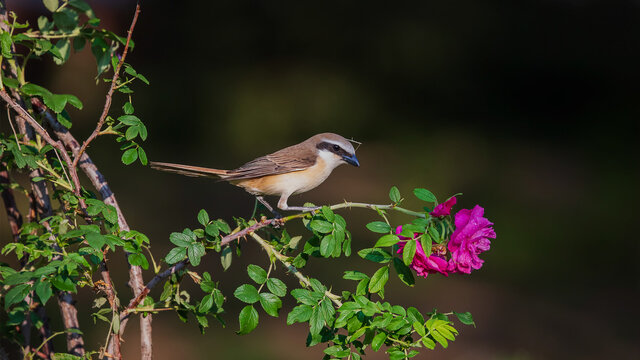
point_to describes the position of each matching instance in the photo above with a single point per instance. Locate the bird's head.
(335, 149)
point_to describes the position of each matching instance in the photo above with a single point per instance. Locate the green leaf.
(62, 356)
(465, 318)
(64, 119)
(248, 319)
(131, 133)
(206, 303)
(127, 108)
(375, 254)
(440, 339)
(270, 303)
(394, 194)
(387, 240)
(195, 252)
(110, 214)
(257, 274)
(61, 53)
(354, 275)
(409, 252)
(63, 283)
(129, 156)
(247, 293)
(16, 294)
(226, 255)
(55, 102)
(435, 236)
(203, 217)
(74, 101)
(130, 120)
(419, 328)
(33, 89)
(379, 227)
(300, 313)
(425, 241)
(424, 195)
(379, 339)
(379, 279)
(5, 40)
(51, 5)
(403, 271)
(212, 230)
(138, 260)
(65, 19)
(142, 156)
(95, 240)
(176, 255)
(180, 239)
(43, 289)
(328, 213)
(277, 287)
(306, 297)
(428, 343)
(316, 322)
(327, 245)
(321, 226)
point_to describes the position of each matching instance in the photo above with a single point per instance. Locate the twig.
(13, 128)
(284, 260)
(182, 264)
(113, 301)
(348, 204)
(114, 80)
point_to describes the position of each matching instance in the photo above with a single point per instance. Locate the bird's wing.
(293, 158)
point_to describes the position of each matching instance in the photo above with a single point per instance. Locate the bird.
(290, 171)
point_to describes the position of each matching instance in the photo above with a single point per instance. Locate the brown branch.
(100, 183)
(113, 301)
(81, 158)
(180, 265)
(114, 80)
(24, 114)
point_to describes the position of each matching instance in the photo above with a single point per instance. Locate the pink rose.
(444, 209)
(470, 238)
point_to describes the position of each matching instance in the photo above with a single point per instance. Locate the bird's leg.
(282, 205)
(266, 204)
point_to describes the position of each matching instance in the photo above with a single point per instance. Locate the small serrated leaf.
(394, 194)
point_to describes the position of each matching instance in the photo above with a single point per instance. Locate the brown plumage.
(292, 170)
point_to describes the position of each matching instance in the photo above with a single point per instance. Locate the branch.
(24, 114)
(284, 260)
(349, 204)
(114, 80)
(182, 264)
(251, 231)
(113, 301)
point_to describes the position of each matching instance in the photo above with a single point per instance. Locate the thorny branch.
(114, 81)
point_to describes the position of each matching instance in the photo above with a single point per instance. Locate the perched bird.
(292, 170)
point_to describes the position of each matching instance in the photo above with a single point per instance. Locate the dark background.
(529, 108)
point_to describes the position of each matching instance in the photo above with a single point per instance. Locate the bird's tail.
(187, 170)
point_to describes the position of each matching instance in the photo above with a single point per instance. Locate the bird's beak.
(353, 160)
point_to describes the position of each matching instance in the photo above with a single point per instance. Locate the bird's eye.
(336, 147)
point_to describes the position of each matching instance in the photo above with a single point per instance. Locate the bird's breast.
(295, 182)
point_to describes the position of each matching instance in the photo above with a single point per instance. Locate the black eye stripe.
(332, 147)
